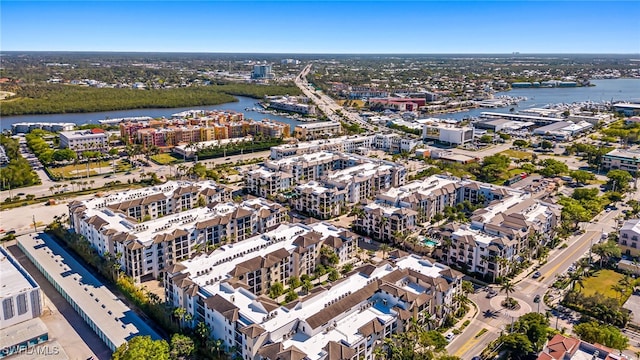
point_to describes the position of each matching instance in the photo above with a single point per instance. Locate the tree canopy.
(594, 332)
(142, 347)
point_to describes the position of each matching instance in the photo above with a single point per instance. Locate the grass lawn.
(517, 154)
(601, 282)
(80, 170)
(165, 159)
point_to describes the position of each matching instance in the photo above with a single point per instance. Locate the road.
(99, 181)
(326, 104)
(495, 319)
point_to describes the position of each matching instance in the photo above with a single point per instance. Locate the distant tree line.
(57, 98)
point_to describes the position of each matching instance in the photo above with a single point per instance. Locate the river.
(84, 118)
(604, 90)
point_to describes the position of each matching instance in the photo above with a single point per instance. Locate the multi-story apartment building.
(318, 200)
(199, 129)
(84, 140)
(318, 130)
(629, 239)
(628, 160)
(511, 223)
(345, 321)
(152, 231)
(356, 177)
(357, 144)
(295, 104)
(499, 234)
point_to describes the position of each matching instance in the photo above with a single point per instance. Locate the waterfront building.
(629, 109)
(318, 130)
(622, 159)
(295, 104)
(27, 127)
(84, 140)
(347, 320)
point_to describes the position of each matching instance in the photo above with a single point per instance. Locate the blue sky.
(323, 26)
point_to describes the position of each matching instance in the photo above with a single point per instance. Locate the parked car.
(449, 336)
(536, 274)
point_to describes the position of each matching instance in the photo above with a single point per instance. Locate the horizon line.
(315, 53)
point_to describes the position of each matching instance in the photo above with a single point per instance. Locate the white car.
(449, 336)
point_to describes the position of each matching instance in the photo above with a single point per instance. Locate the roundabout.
(522, 308)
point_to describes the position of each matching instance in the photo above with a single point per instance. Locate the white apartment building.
(628, 160)
(345, 321)
(147, 248)
(629, 239)
(156, 201)
(20, 295)
(84, 140)
(318, 130)
(358, 176)
(318, 201)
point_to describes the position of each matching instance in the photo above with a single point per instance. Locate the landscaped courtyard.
(164, 159)
(517, 154)
(94, 168)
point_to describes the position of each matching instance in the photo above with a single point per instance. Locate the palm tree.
(619, 289)
(307, 286)
(507, 287)
(576, 279)
(385, 249)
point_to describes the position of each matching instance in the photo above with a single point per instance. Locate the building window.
(22, 303)
(7, 308)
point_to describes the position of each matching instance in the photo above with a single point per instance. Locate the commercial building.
(629, 239)
(318, 130)
(628, 160)
(108, 317)
(629, 109)
(563, 130)
(398, 104)
(84, 140)
(20, 295)
(537, 120)
(295, 104)
(346, 320)
(262, 72)
(27, 127)
(447, 133)
(155, 227)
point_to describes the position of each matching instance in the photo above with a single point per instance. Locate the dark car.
(536, 274)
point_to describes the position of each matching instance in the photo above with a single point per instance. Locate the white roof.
(15, 279)
(319, 125)
(117, 321)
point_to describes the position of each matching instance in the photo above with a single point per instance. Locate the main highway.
(326, 104)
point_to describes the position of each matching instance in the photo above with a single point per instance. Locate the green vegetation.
(55, 98)
(582, 176)
(619, 180)
(75, 171)
(142, 347)
(351, 129)
(551, 168)
(406, 129)
(607, 335)
(415, 343)
(493, 168)
(582, 206)
(164, 159)
(236, 148)
(517, 154)
(18, 172)
(601, 282)
(257, 91)
(592, 154)
(619, 131)
(526, 337)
